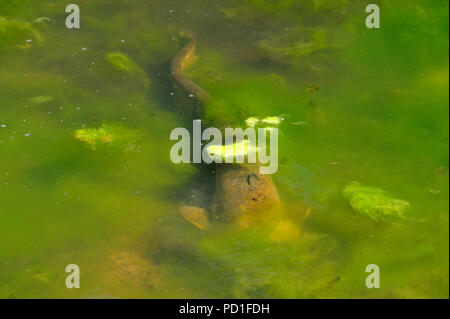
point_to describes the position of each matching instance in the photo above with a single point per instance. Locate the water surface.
(379, 116)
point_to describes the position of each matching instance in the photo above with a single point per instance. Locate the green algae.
(244, 93)
(124, 64)
(41, 99)
(169, 41)
(312, 41)
(258, 267)
(250, 9)
(374, 202)
(229, 152)
(18, 34)
(115, 135)
(90, 202)
(294, 33)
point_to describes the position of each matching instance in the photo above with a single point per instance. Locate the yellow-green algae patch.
(115, 135)
(124, 64)
(374, 202)
(231, 151)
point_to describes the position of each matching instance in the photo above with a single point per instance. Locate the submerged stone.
(374, 202)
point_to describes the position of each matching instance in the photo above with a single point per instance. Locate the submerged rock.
(374, 202)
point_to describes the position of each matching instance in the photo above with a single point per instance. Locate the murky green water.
(358, 104)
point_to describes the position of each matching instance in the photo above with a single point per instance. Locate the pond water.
(358, 104)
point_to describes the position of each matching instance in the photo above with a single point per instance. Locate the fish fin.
(196, 216)
(308, 211)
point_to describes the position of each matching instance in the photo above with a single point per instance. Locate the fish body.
(241, 193)
(180, 62)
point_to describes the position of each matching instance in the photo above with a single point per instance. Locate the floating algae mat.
(86, 176)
